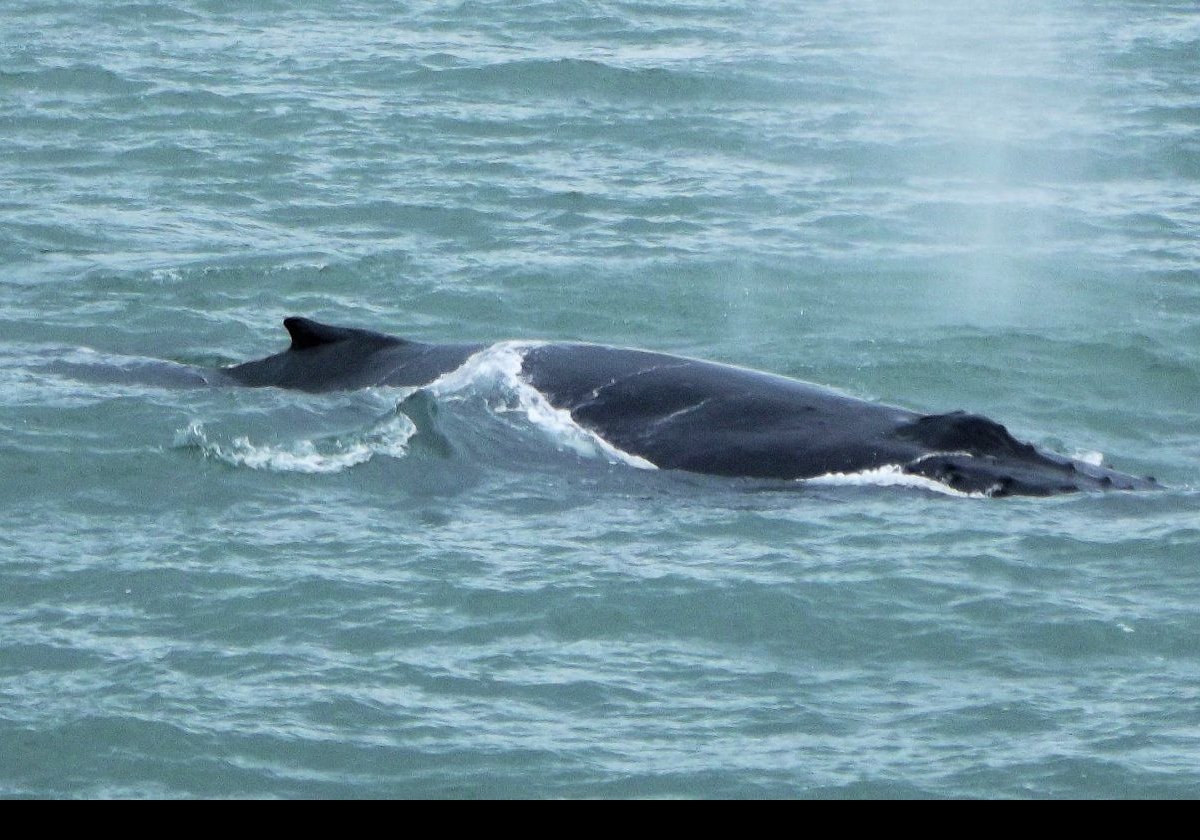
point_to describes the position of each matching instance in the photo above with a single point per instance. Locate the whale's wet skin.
(685, 414)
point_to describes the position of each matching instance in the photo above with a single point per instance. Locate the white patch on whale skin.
(495, 373)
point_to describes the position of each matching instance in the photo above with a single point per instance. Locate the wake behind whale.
(651, 409)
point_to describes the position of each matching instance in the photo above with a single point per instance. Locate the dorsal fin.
(307, 333)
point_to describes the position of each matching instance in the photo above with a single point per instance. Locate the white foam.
(890, 475)
(495, 372)
(1090, 457)
(389, 438)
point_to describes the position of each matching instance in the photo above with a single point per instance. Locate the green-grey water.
(992, 206)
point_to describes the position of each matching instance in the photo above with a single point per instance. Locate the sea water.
(453, 592)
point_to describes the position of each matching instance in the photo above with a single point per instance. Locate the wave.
(331, 455)
(573, 77)
(494, 374)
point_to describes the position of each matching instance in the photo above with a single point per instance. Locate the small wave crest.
(1090, 457)
(331, 455)
(495, 374)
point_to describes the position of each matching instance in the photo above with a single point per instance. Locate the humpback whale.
(680, 413)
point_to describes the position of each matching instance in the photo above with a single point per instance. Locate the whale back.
(700, 416)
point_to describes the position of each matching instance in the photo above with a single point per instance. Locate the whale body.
(686, 414)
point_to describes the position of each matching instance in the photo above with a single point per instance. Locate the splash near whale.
(670, 412)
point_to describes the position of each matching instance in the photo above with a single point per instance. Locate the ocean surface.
(218, 592)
